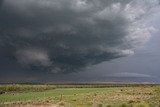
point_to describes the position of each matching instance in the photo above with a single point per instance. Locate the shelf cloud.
(127, 74)
(63, 36)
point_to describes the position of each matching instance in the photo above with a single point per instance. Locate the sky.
(45, 41)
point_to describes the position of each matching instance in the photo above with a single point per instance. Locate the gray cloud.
(68, 35)
(33, 57)
(1, 3)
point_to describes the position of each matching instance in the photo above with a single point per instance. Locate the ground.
(117, 96)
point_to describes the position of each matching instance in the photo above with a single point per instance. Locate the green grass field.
(132, 96)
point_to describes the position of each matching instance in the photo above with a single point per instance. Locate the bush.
(61, 103)
(100, 105)
(130, 101)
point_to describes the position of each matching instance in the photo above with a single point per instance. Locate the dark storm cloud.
(1, 3)
(67, 35)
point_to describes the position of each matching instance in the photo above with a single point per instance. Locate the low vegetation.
(24, 88)
(82, 96)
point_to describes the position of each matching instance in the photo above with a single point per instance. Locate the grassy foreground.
(70, 96)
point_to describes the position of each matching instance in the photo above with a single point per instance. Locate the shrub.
(100, 105)
(61, 103)
(130, 101)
